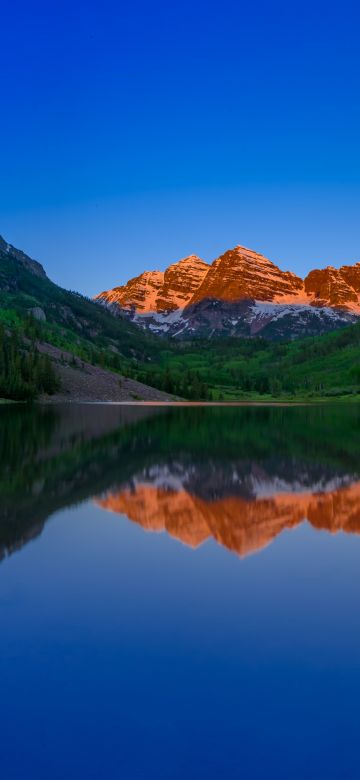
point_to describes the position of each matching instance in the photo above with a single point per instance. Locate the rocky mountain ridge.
(160, 290)
(241, 293)
(24, 260)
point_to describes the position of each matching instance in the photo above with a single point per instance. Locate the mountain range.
(99, 356)
(241, 293)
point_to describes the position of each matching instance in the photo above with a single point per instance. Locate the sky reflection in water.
(128, 654)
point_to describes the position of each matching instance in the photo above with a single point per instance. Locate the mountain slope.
(241, 294)
(227, 369)
(316, 367)
(21, 258)
(37, 309)
(160, 291)
(25, 289)
(241, 273)
(335, 286)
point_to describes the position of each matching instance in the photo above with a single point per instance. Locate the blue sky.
(135, 133)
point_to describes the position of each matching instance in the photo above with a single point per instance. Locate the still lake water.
(179, 592)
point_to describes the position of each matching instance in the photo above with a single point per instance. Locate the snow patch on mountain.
(241, 294)
(276, 310)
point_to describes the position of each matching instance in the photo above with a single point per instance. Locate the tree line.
(24, 372)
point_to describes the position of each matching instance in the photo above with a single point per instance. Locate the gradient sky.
(135, 133)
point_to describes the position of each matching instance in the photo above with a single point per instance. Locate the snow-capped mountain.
(241, 293)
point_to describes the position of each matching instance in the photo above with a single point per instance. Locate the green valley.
(34, 310)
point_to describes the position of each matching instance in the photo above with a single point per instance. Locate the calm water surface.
(179, 592)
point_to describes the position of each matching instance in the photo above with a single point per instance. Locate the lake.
(179, 592)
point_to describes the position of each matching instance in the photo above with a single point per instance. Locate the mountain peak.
(189, 259)
(154, 291)
(192, 261)
(335, 286)
(242, 273)
(238, 274)
(247, 252)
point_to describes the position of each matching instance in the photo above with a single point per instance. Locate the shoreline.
(255, 402)
(174, 403)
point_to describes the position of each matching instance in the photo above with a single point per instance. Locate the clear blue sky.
(135, 133)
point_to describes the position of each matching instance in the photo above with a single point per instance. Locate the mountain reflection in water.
(239, 475)
(243, 526)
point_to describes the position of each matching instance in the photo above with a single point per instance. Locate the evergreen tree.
(24, 373)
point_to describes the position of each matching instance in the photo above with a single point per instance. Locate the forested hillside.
(24, 372)
(323, 366)
(34, 310)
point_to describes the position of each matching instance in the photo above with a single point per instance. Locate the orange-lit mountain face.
(242, 525)
(335, 286)
(240, 273)
(158, 291)
(241, 294)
